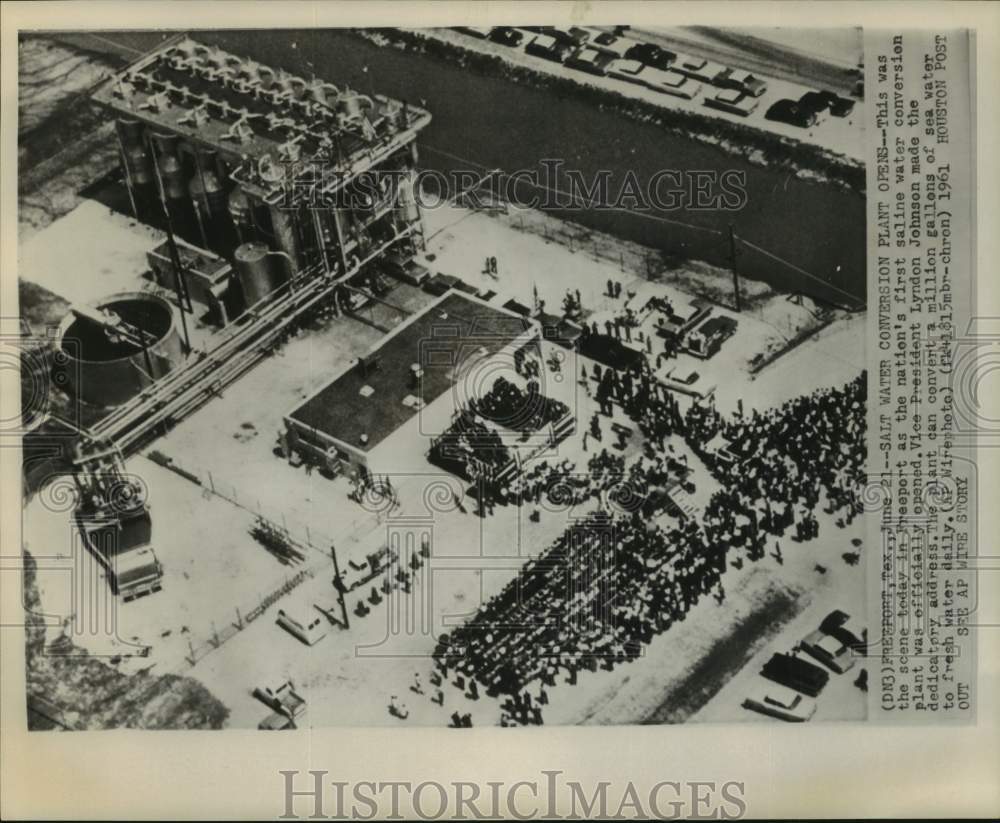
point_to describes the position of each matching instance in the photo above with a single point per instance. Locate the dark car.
(846, 629)
(817, 101)
(650, 54)
(548, 48)
(788, 111)
(841, 107)
(507, 36)
(796, 673)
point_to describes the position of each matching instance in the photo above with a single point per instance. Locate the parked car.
(479, 32)
(276, 722)
(548, 48)
(779, 701)
(612, 43)
(741, 80)
(796, 673)
(846, 629)
(590, 60)
(829, 651)
(670, 82)
(788, 111)
(651, 54)
(507, 36)
(817, 102)
(284, 700)
(573, 36)
(631, 71)
(733, 101)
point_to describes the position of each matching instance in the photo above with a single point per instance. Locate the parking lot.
(685, 81)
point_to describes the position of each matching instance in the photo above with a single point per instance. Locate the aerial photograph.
(448, 377)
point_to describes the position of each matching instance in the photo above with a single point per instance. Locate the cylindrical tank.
(175, 188)
(258, 271)
(138, 165)
(204, 187)
(240, 210)
(285, 234)
(104, 371)
(172, 174)
(211, 202)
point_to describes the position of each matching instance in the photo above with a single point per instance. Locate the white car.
(829, 650)
(628, 70)
(780, 701)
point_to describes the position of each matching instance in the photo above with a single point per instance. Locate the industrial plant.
(334, 448)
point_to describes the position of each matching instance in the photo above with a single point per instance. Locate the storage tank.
(285, 233)
(241, 213)
(138, 164)
(104, 368)
(175, 187)
(211, 203)
(259, 271)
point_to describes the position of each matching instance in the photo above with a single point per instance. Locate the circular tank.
(257, 271)
(106, 372)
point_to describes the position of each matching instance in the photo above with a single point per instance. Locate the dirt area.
(80, 691)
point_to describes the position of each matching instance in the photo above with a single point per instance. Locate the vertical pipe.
(284, 225)
(128, 173)
(321, 244)
(175, 257)
(340, 237)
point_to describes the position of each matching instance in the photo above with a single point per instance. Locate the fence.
(230, 630)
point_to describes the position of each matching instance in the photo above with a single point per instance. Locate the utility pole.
(732, 264)
(338, 584)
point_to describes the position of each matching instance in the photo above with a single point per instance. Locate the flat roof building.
(349, 423)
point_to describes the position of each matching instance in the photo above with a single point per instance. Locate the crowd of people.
(780, 465)
(617, 578)
(517, 409)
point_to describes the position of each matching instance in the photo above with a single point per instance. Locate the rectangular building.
(408, 386)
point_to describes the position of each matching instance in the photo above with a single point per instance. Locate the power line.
(576, 198)
(798, 269)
